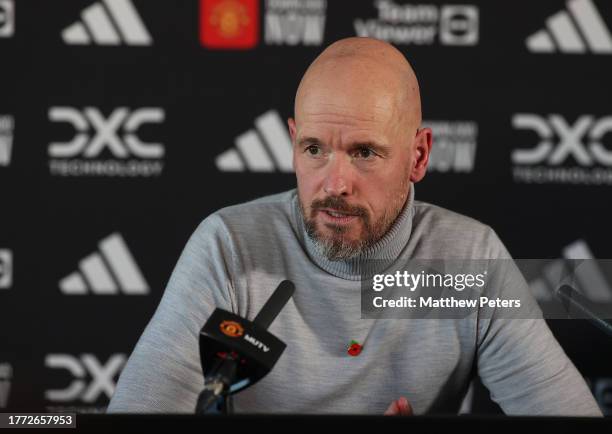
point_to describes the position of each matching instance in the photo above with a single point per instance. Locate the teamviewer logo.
(459, 25)
(7, 18)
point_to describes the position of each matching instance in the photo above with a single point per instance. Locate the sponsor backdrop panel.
(123, 123)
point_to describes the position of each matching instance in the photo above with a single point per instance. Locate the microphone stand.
(573, 299)
(235, 353)
(215, 398)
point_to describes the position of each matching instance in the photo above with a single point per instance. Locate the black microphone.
(236, 353)
(275, 303)
(573, 298)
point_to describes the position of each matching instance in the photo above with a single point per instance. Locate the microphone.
(236, 353)
(573, 298)
(275, 303)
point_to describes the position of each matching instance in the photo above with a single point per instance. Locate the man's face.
(353, 157)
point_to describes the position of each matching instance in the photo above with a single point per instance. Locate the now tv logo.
(454, 146)
(236, 24)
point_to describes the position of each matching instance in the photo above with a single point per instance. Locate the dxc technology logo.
(116, 133)
(567, 153)
(6, 375)
(91, 379)
(7, 18)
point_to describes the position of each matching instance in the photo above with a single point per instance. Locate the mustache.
(339, 204)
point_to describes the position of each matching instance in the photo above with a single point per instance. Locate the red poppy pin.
(354, 348)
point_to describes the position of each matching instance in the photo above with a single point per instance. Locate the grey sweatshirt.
(238, 255)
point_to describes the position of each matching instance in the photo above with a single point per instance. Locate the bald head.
(362, 71)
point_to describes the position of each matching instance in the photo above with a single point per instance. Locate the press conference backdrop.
(123, 123)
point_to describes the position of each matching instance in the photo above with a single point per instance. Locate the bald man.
(358, 151)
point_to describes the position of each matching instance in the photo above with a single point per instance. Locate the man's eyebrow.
(305, 141)
(377, 146)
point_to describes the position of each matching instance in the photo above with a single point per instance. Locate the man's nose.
(338, 178)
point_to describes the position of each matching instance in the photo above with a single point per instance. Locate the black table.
(113, 423)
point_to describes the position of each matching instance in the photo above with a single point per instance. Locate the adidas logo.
(109, 272)
(109, 22)
(589, 277)
(564, 29)
(267, 148)
(6, 268)
(7, 124)
(6, 145)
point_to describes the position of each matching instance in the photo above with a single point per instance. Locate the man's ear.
(422, 149)
(292, 129)
(293, 134)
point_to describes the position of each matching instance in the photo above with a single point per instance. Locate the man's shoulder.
(254, 216)
(441, 218)
(269, 206)
(452, 233)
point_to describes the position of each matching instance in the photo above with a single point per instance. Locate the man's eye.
(313, 150)
(365, 153)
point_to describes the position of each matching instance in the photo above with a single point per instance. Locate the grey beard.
(335, 249)
(338, 248)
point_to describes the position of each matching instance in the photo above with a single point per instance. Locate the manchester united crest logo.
(231, 329)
